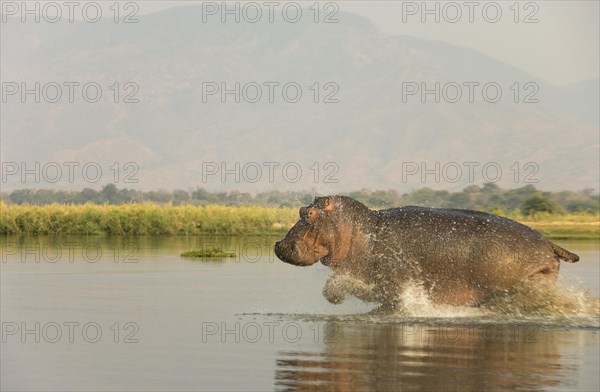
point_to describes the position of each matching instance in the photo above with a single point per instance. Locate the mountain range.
(368, 129)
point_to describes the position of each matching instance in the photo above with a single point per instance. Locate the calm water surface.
(95, 313)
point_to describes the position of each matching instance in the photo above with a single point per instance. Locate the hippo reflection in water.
(460, 257)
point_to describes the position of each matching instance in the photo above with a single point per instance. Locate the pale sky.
(561, 48)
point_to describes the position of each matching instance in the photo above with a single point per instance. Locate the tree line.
(487, 197)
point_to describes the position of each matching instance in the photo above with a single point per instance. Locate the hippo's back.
(449, 221)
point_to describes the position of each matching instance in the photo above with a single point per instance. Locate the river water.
(97, 313)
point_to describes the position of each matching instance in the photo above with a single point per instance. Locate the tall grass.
(160, 219)
(565, 226)
(143, 219)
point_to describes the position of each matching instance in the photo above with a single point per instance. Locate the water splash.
(528, 301)
(416, 302)
(543, 299)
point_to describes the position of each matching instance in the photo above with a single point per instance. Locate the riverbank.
(568, 229)
(143, 219)
(158, 219)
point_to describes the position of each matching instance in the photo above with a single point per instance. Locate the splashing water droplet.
(530, 300)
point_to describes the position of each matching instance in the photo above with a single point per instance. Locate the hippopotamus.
(460, 257)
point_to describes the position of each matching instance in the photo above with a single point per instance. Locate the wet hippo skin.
(460, 257)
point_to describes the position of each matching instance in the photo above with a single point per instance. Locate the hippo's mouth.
(328, 262)
(295, 255)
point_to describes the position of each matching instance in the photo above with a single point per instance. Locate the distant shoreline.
(155, 219)
(567, 230)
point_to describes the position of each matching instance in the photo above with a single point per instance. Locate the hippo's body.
(461, 257)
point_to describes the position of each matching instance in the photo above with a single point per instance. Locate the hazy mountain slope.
(369, 133)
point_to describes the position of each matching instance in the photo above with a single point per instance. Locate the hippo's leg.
(331, 291)
(339, 285)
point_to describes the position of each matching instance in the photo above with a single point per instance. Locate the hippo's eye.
(311, 215)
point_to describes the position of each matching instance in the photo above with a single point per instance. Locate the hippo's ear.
(329, 204)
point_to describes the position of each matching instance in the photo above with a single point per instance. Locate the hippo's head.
(325, 232)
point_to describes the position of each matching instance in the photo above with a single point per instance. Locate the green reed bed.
(144, 219)
(568, 226)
